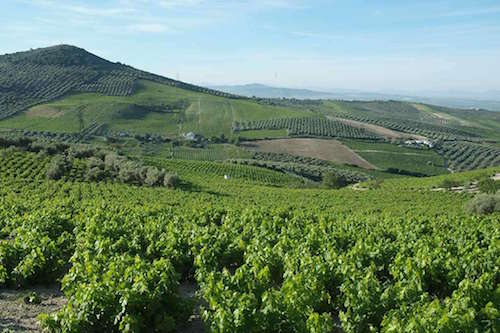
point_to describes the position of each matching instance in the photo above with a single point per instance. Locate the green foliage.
(448, 183)
(468, 156)
(488, 185)
(307, 126)
(333, 180)
(58, 167)
(37, 76)
(484, 204)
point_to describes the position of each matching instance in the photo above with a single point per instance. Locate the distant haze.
(489, 101)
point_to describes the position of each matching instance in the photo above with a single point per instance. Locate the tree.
(332, 180)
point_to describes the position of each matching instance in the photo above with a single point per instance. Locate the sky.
(439, 46)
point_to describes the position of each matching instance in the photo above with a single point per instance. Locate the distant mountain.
(263, 91)
(42, 75)
(482, 101)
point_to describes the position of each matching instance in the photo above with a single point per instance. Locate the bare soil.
(330, 150)
(42, 111)
(17, 316)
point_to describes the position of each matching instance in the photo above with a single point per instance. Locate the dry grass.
(43, 111)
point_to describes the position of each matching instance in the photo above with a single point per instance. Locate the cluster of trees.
(128, 171)
(102, 164)
(308, 126)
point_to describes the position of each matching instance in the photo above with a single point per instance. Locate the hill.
(68, 94)
(42, 75)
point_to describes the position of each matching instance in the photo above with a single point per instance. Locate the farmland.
(223, 234)
(130, 202)
(329, 150)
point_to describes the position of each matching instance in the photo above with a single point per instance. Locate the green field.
(206, 114)
(386, 155)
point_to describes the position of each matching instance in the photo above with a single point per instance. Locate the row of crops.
(244, 173)
(308, 126)
(463, 156)
(308, 167)
(314, 261)
(311, 172)
(40, 76)
(419, 128)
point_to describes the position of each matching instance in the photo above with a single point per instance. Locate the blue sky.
(410, 46)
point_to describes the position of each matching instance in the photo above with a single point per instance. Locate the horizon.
(440, 48)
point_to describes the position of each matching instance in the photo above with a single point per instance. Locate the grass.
(386, 155)
(263, 134)
(206, 114)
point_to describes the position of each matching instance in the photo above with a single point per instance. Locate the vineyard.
(264, 259)
(463, 156)
(307, 126)
(43, 75)
(236, 172)
(146, 210)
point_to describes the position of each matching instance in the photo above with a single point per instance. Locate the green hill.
(42, 75)
(66, 93)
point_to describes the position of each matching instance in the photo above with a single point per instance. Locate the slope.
(42, 75)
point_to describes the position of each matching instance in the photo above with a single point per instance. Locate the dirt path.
(17, 316)
(330, 150)
(385, 132)
(195, 323)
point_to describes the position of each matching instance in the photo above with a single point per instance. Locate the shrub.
(154, 176)
(449, 183)
(484, 204)
(58, 167)
(332, 180)
(171, 180)
(488, 185)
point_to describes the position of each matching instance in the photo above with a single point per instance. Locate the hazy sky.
(371, 45)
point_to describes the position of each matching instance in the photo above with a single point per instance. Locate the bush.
(488, 185)
(58, 167)
(154, 176)
(449, 183)
(484, 204)
(332, 180)
(171, 181)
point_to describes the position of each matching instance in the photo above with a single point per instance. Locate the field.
(130, 202)
(264, 258)
(385, 156)
(206, 114)
(329, 150)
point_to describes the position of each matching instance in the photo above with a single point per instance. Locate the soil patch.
(330, 150)
(42, 111)
(17, 316)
